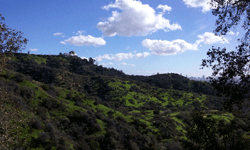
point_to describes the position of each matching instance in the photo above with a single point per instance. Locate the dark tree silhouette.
(230, 69)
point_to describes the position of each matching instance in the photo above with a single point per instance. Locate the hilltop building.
(71, 53)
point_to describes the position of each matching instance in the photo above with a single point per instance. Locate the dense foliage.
(71, 104)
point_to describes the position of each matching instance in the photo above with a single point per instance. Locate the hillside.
(72, 103)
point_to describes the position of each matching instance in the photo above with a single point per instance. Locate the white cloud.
(116, 57)
(80, 32)
(121, 56)
(107, 64)
(164, 7)
(136, 19)
(210, 38)
(56, 34)
(84, 58)
(125, 64)
(82, 40)
(233, 33)
(142, 55)
(164, 47)
(33, 49)
(198, 3)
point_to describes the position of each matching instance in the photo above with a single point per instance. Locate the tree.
(202, 133)
(230, 69)
(208, 133)
(10, 41)
(10, 118)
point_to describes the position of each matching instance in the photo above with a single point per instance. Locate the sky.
(139, 37)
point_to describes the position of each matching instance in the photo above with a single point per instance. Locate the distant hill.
(66, 102)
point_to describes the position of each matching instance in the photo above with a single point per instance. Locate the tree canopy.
(230, 68)
(10, 39)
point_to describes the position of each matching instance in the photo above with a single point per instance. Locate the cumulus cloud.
(210, 38)
(125, 64)
(164, 7)
(82, 40)
(135, 19)
(80, 32)
(198, 3)
(57, 33)
(142, 55)
(164, 47)
(121, 56)
(33, 49)
(108, 64)
(116, 57)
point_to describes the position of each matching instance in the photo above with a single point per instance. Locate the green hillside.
(62, 102)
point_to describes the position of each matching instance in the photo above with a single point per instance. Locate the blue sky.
(138, 37)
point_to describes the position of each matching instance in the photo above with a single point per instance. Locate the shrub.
(98, 115)
(14, 87)
(185, 116)
(156, 112)
(81, 117)
(78, 103)
(27, 92)
(123, 110)
(47, 103)
(77, 98)
(110, 113)
(97, 101)
(61, 106)
(7, 74)
(36, 124)
(45, 87)
(69, 96)
(43, 138)
(61, 148)
(121, 119)
(131, 101)
(82, 145)
(19, 103)
(134, 89)
(49, 127)
(93, 128)
(42, 112)
(51, 90)
(173, 145)
(19, 77)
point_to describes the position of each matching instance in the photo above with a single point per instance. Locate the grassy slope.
(121, 90)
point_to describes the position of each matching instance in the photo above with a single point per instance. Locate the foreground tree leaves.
(230, 74)
(207, 133)
(231, 69)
